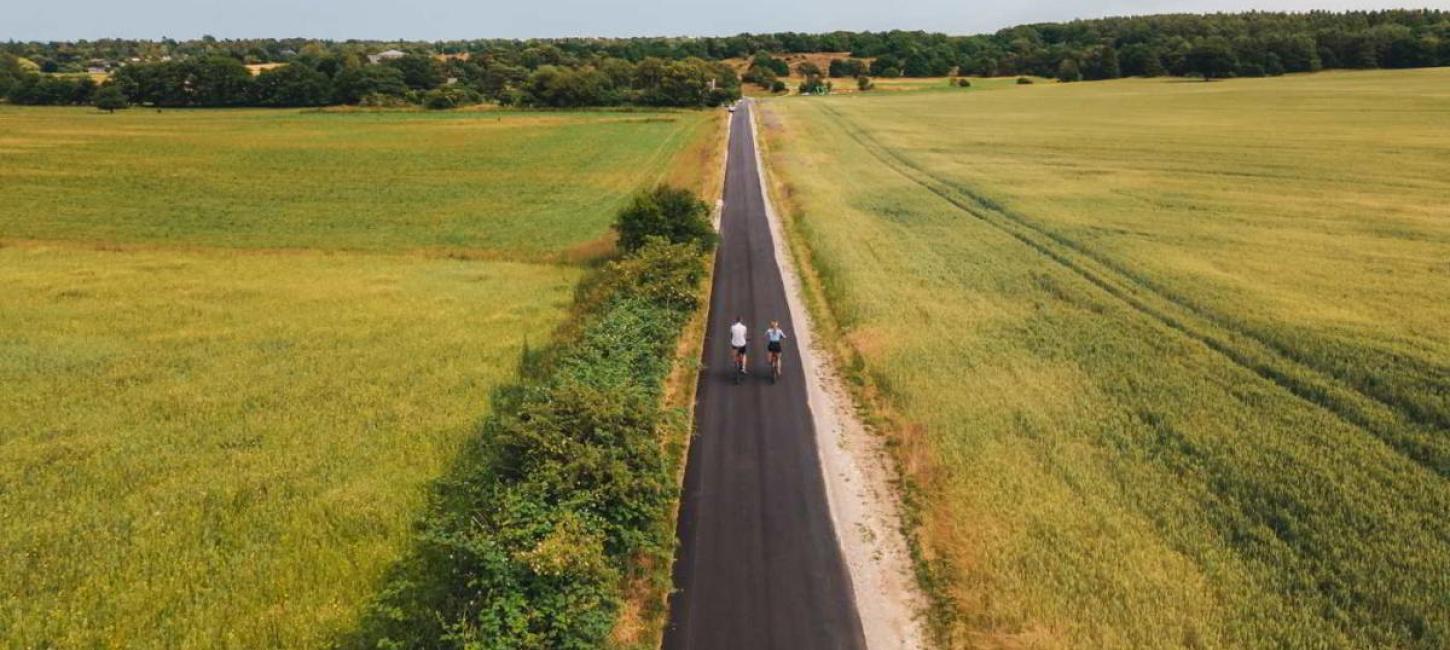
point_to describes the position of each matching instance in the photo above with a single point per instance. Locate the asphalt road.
(758, 566)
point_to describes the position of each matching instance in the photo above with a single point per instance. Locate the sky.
(460, 19)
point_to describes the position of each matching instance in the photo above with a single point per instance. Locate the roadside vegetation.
(240, 347)
(566, 502)
(1162, 365)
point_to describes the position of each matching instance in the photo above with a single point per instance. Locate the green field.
(1167, 361)
(237, 346)
(520, 185)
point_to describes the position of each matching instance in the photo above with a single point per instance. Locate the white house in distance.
(385, 55)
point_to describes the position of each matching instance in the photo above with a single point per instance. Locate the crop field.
(237, 347)
(1166, 361)
(938, 84)
(517, 185)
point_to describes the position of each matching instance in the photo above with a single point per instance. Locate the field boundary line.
(1319, 387)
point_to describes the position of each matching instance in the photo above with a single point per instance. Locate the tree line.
(218, 80)
(693, 72)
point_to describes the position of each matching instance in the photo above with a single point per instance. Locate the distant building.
(385, 55)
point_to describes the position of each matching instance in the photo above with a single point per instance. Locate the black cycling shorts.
(773, 346)
(739, 349)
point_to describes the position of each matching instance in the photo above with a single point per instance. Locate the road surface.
(759, 566)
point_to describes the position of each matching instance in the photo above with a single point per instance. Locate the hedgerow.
(528, 542)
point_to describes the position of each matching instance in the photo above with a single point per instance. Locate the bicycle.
(774, 344)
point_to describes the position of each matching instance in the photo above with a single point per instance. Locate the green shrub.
(449, 97)
(1023, 81)
(661, 272)
(380, 100)
(667, 212)
(110, 98)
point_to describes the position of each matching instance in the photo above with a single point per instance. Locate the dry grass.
(1115, 328)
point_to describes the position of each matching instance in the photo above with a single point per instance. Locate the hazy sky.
(447, 19)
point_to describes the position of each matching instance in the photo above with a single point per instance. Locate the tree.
(1366, 55)
(500, 78)
(293, 84)
(777, 66)
(1211, 59)
(1067, 71)
(807, 69)
(351, 85)
(814, 84)
(50, 90)
(1297, 53)
(560, 87)
(864, 83)
(670, 213)
(420, 71)
(1409, 51)
(847, 68)
(219, 81)
(1102, 63)
(10, 72)
(110, 99)
(761, 76)
(1272, 66)
(691, 82)
(886, 65)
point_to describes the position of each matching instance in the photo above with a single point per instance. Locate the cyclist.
(738, 339)
(774, 337)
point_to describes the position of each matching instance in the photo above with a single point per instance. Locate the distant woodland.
(702, 71)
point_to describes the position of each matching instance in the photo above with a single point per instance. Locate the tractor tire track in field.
(1401, 427)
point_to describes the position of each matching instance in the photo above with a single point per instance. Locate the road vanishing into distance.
(759, 566)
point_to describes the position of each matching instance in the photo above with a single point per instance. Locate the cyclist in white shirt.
(738, 340)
